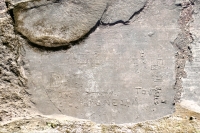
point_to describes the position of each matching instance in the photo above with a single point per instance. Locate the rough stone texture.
(14, 99)
(3, 10)
(182, 45)
(182, 121)
(56, 23)
(122, 10)
(191, 83)
(121, 74)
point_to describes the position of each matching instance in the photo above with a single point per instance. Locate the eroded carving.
(111, 82)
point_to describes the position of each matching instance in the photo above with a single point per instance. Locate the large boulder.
(56, 23)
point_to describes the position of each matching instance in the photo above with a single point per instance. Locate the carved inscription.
(105, 79)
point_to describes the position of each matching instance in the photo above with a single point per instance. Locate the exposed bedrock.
(58, 22)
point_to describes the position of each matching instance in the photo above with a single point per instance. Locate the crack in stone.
(52, 102)
(124, 22)
(10, 11)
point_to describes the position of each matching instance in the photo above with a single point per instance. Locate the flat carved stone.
(118, 78)
(120, 73)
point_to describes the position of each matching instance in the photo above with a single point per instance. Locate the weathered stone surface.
(13, 102)
(122, 10)
(191, 84)
(106, 80)
(121, 74)
(3, 9)
(56, 23)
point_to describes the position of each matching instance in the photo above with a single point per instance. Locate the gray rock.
(56, 23)
(122, 10)
(118, 74)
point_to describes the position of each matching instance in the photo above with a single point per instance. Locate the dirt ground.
(182, 121)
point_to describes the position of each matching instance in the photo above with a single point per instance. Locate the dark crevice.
(179, 4)
(111, 24)
(12, 15)
(125, 22)
(7, 4)
(5, 43)
(10, 11)
(57, 1)
(117, 22)
(137, 12)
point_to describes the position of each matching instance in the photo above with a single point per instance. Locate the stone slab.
(119, 74)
